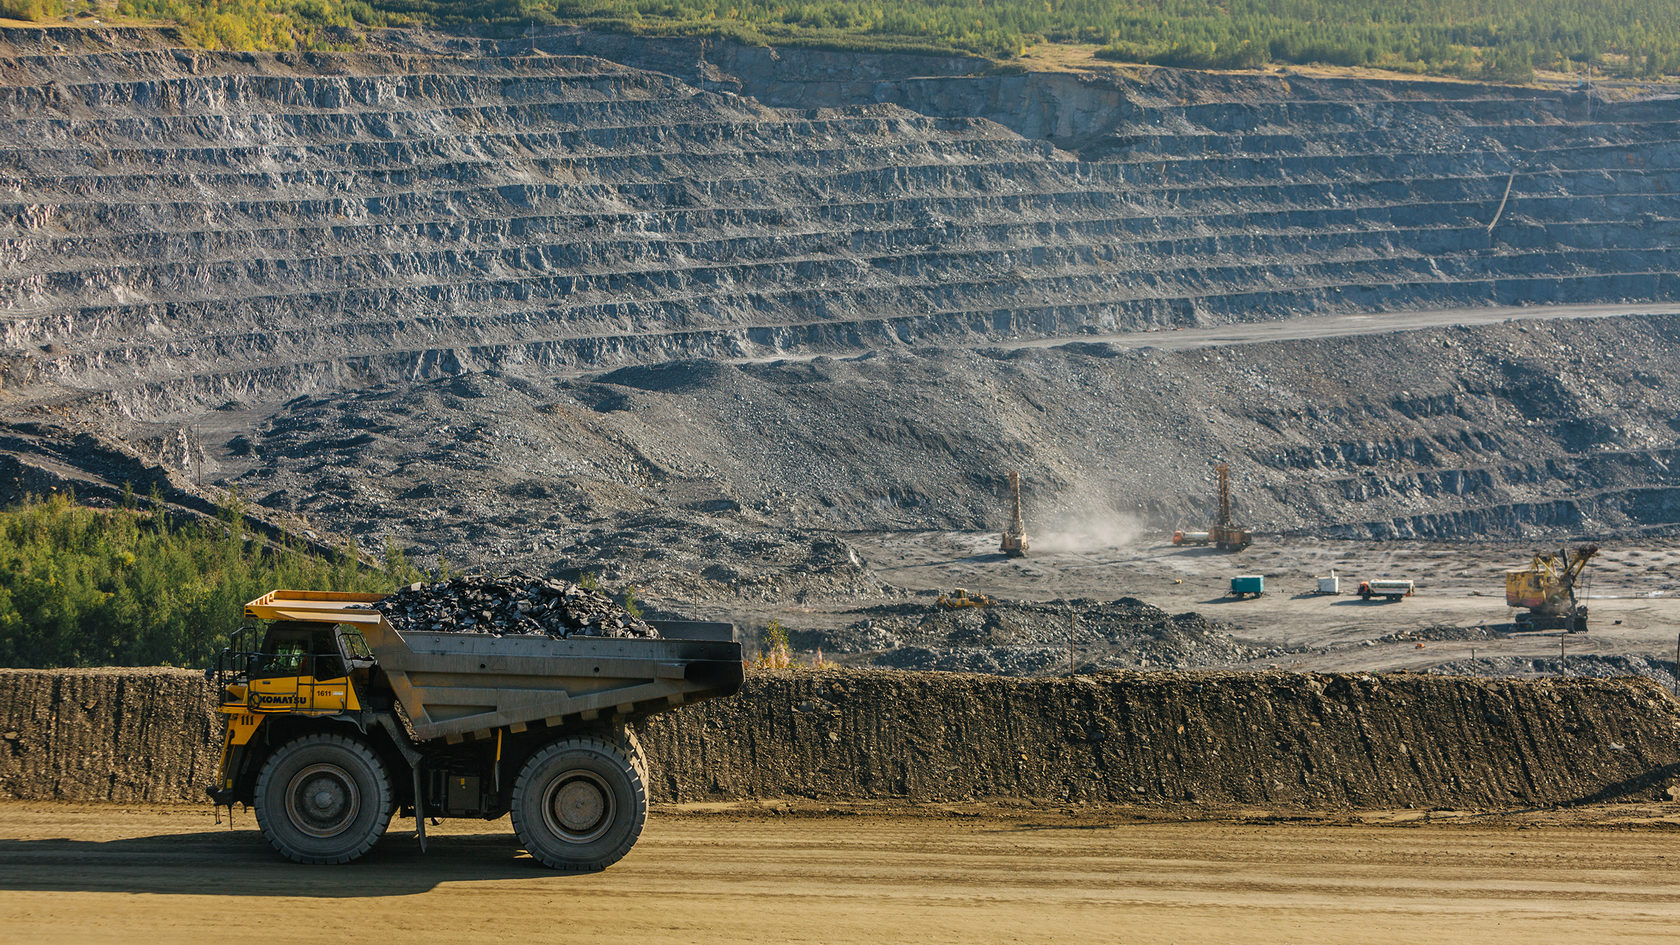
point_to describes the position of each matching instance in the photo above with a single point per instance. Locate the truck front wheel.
(579, 804)
(323, 799)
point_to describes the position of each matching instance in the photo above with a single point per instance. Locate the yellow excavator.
(1546, 590)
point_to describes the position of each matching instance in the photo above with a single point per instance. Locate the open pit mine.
(1035, 430)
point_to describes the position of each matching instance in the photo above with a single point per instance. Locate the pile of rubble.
(1024, 638)
(514, 605)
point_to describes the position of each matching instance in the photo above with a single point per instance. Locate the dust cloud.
(1083, 527)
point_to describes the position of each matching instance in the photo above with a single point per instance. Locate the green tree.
(130, 587)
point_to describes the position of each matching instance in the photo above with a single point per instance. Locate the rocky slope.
(1563, 427)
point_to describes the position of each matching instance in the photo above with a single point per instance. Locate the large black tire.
(323, 799)
(579, 804)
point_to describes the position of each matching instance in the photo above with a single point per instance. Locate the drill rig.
(1546, 588)
(1014, 543)
(1223, 534)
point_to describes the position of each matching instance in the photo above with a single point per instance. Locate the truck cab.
(299, 666)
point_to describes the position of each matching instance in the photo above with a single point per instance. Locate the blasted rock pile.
(511, 606)
(1026, 638)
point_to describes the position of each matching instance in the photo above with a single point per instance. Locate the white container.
(1391, 588)
(1330, 585)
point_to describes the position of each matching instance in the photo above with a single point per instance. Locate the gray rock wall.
(184, 228)
(197, 249)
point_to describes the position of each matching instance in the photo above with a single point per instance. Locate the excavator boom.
(1575, 565)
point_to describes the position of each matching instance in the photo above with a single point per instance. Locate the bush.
(129, 587)
(776, 652)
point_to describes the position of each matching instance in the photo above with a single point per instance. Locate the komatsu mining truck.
(335, 722)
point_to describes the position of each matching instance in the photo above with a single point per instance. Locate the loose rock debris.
(512, 606)
(1023, 638)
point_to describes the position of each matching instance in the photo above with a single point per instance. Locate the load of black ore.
(511, 606)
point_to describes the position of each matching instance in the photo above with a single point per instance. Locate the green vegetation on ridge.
(1499, 39)
(128, 587)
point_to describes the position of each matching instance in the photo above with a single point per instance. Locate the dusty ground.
(1631, 591)
(76, 873)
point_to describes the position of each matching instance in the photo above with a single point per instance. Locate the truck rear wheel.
(579, 804)
(323, 799)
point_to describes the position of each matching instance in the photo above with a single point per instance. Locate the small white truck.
(1391, 588)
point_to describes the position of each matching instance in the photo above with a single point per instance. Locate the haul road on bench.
(337, 721)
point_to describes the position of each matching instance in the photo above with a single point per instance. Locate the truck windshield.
(301, 649)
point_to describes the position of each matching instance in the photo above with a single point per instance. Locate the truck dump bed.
(453, 685)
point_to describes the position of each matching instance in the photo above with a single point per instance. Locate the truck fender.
(399, 740)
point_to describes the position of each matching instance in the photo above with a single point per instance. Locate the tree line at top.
(1504, 40)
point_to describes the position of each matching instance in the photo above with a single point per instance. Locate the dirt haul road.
(80, 873)
(1300, 328)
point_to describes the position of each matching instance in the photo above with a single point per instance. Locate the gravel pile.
(1592, 666)
(1437, 634)
(511, 606)
(1023, 638)
(720, 557)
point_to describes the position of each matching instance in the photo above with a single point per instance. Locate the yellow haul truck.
(335, 722)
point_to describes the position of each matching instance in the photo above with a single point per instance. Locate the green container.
(1248, 584)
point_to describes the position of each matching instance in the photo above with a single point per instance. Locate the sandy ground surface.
(1631, 590)
(81, 873)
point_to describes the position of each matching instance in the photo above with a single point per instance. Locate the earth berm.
(1288, 740)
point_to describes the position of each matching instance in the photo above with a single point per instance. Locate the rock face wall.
(1270, 739)
(1300, 740)
(204, 256)
(185, 229)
